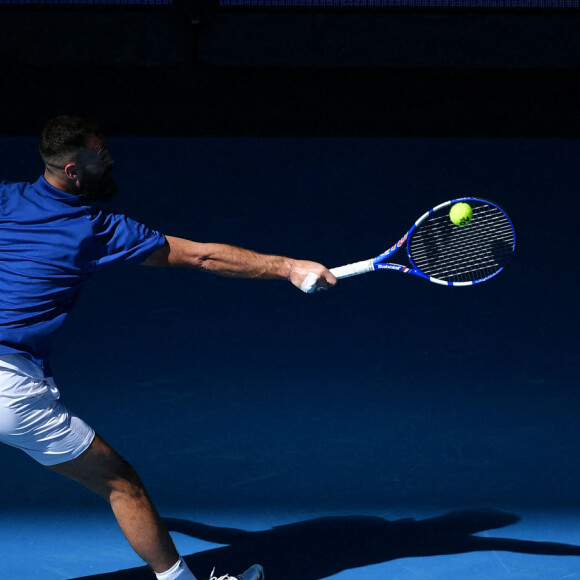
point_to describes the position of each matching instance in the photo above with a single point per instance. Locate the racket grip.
(354, 269)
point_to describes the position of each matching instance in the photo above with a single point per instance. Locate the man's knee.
(123, 477)
(118, 476)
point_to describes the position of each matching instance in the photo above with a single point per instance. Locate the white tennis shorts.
(33, 419)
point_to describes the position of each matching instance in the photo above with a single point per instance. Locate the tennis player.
(52, 239)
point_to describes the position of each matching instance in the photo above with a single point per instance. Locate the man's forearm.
(226, 260)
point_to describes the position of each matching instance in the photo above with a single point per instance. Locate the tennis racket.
(448, 254)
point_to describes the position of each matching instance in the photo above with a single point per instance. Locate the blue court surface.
(390, 428)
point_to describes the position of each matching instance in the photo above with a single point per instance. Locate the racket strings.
(453, 253)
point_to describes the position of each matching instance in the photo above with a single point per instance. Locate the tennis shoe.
(255, 572)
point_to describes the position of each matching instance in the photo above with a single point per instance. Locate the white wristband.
(309, 283)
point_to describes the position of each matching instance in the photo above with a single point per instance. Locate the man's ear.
(71, 171)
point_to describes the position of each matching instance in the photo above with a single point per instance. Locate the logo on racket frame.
(399, 243)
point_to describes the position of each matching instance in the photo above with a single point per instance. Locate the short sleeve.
(118, 238)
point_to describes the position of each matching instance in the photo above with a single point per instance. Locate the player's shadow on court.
(318, 548)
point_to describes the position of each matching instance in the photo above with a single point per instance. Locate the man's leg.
(101, 469)
(33, 419)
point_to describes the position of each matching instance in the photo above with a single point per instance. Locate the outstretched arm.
(226, 260)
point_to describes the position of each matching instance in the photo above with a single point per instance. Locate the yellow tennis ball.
(460, 213)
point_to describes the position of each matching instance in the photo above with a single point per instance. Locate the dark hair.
(66, 134)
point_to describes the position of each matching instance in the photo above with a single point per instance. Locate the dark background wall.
(195, 70)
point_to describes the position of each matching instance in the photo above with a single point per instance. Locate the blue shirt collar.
(47, 190)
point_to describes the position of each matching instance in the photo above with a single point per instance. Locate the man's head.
(76, 158)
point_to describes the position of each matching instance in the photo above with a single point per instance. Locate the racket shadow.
(318, 548)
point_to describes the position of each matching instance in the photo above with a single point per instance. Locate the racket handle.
(354, 269)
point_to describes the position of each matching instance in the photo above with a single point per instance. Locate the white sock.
(178, 570)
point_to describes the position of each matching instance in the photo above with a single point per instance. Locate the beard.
(98, 189)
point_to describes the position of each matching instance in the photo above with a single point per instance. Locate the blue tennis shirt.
(51, 242)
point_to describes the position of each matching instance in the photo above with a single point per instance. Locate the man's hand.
(310, 276)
